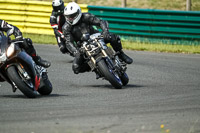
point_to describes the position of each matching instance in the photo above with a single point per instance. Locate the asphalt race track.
(163, 96)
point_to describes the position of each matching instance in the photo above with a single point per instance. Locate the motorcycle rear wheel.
(109, 74)
(47, 89)
(21, 85)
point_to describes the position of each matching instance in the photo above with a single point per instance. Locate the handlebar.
(17, 41)
(88, 37)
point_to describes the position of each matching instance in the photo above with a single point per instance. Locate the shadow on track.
(111, 87)
(64, 61)
(39, 96)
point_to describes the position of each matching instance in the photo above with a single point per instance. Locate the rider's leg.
(115, 42)
(78, 65)
(28, 47)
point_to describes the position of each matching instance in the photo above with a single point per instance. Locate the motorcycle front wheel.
(109, 74)
(14, 76)
(124, 78)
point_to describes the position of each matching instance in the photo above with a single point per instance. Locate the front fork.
(114, 61)
(26, 77)
(22, 72)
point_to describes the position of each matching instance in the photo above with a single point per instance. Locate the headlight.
(10, 50)
(3, 58)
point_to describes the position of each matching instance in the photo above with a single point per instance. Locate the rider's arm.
(3, 25)
(67, 34)
(93, 20)
(10, 29)
(68, 38)
(54, 24)
(17, 33)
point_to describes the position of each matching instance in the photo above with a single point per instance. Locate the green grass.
(42, 39)
(193, 49)
(150, 4)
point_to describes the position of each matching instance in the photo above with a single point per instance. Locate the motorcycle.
(19, 69)
(103, 60)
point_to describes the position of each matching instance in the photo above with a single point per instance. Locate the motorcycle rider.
(27, 42)
(77, 24)
(57, 20)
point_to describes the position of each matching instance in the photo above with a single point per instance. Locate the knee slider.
(75, 68)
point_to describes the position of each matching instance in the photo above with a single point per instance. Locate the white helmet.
(72, 13)
(58, 5)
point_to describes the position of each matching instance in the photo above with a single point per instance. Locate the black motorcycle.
(103, 60)
(19, 69)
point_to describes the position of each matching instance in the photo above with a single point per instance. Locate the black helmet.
(58, 6)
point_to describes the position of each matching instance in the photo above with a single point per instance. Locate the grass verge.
(190, 49)
(150, 4)
(42, 39)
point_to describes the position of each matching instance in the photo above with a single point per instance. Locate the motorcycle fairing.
(25, 60)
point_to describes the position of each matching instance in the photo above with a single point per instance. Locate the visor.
(73, 16)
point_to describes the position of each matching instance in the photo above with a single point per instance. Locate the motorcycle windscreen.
(3, 44)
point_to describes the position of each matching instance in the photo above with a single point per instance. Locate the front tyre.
(109, 74)
(124, 78)
(14, 76)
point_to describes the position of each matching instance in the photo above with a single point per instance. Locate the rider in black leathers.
(27, 42)
(77, 24)
(57, 20)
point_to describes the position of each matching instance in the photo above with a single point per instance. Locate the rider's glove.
(106, 35)
(11, 30)
(18, 39)
(61, 34)
(81, 50)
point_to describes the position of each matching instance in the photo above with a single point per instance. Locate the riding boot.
(39, 61)
(125, 57)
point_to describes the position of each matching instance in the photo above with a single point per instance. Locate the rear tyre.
(109, 74)
(46, 89)
(14, 76)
